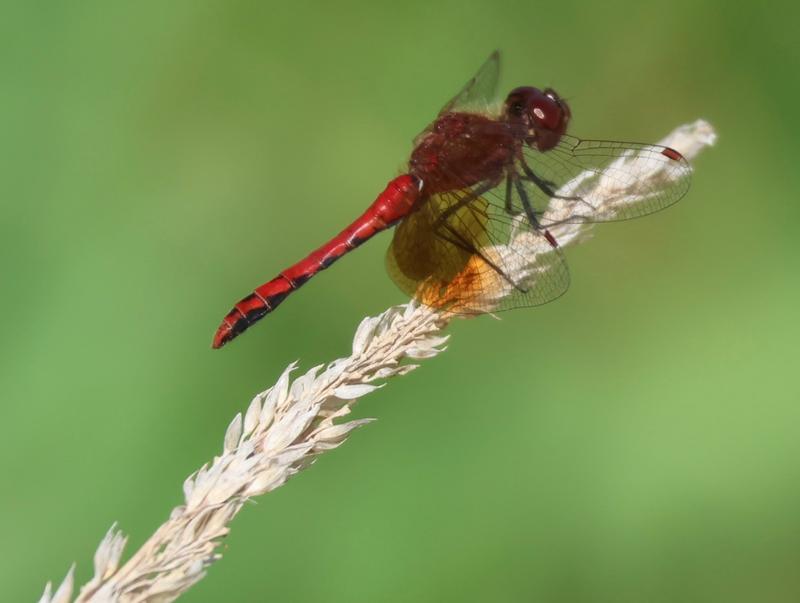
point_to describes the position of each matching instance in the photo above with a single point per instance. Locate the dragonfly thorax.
(461, 149)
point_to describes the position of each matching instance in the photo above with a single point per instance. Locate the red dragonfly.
(472, 210)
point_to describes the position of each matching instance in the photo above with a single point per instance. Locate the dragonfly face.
(540, 116)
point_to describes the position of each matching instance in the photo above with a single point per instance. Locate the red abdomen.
(395, 202)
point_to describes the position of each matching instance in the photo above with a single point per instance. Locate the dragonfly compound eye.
(542, 114)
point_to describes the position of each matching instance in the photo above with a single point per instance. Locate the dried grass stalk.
(283, 430)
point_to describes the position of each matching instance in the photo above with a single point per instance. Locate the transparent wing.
(598, 181)
(477, 94)
(480, 90)
(462, 253)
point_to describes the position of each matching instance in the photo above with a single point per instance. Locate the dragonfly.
(474, 212)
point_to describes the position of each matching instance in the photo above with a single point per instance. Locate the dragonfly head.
(541, 116)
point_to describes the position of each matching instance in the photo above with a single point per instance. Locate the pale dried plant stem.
(283, 430)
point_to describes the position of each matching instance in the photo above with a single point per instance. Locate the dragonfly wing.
(582, 181)
(480, 90)
(461, 252)
(477, 94)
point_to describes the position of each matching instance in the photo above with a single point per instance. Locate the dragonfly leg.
(526, 205)
(546, 186)
(509, 202)
(472, 196)
(526, 202)
(460, 242)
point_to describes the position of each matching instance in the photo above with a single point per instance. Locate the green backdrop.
(635, 441)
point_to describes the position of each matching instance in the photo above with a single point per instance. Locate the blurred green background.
(635, 441)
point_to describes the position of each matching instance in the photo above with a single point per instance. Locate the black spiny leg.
(545, 186)
(509, 203)
(526, 204)
(459, 241)
(441, 226)
(472, 196)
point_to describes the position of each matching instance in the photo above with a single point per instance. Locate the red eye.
(541, 111)
(546, 113)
